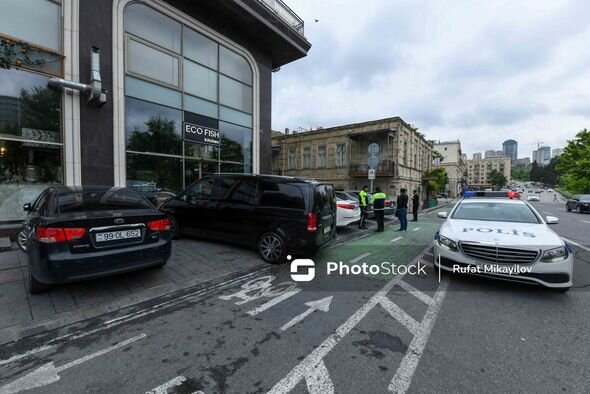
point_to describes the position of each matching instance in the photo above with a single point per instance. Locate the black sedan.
(579, 203)
(78, 233)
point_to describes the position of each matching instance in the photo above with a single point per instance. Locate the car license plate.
(327, 229)
(118, 235)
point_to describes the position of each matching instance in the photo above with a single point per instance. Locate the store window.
(175, 76)
(31, 141)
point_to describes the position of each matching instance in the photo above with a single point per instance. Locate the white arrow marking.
(48, 373)
(322, 305)
(318, 381)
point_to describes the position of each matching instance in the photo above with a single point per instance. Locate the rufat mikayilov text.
(384, 268)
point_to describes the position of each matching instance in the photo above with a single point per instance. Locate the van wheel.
(36, 287)
(272, 248)
(174, 229)
(21, 240)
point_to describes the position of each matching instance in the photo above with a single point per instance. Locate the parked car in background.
(277, 215)
(347, 211)
(579, 203)
(77, 233)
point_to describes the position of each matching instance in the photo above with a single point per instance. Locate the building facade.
(477, 156)
(510, 149)
(542, 155)
(454, 165)
(340, 155)
(478, 171)
(524, 162)
(142, 82)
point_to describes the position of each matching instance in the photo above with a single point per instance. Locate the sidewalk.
(193, 262)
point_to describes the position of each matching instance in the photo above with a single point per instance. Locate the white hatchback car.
(503, 238)
(533, 197)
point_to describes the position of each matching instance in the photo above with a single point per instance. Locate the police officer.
(379, 208)
(363, 196)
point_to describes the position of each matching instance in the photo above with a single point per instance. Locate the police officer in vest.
(363, 196)
(379, 208)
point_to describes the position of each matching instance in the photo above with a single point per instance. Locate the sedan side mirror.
(27, 207)
(552, 220)
(442, 215)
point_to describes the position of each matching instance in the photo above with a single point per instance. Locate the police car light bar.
(490, 194)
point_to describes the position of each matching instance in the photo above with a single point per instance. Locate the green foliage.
(521, 173)
(497, 179)
(535, 173)
(574, 163)
(441, 181)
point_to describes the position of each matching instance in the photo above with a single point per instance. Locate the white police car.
(496, 234)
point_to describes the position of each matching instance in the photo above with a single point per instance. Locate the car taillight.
(312, 222)
(345, 206)
(159, 225)
(387, 203)
(56, 234)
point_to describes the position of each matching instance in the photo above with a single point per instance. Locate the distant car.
(347, 212)
(579, 203)
(78, 233)
(276, 215)
(550, 190)
(504, 238)
(539, 191)
(532, 197)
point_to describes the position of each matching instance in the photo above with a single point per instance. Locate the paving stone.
(15, 305)
(11, 275)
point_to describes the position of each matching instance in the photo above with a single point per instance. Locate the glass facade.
(174, 74)
(31, 140)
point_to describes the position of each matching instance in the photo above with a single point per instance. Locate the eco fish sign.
(200, 134)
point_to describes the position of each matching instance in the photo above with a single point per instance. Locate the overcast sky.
(478, 71)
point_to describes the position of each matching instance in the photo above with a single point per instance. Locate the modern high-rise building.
(490, 153)
(510, 149)
(542, 155)
(477, 156)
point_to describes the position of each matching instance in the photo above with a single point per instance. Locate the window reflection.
(147, 173)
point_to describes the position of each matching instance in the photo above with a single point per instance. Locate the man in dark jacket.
(402, 210)
(415, 205)
(379, 208)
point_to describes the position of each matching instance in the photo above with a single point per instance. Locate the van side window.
(199, 191)
(223, 187)
(324, 198)
(281, 195)
(244, 193)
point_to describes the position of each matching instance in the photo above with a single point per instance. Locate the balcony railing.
(285, 13)
(385, 168)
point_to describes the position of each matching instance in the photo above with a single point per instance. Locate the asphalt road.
(375, 332)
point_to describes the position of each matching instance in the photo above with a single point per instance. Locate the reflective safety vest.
(363, 196)
(379, 201)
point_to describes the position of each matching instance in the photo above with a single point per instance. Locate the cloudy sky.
(478, 71)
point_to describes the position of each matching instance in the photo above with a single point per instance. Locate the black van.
(275, 214)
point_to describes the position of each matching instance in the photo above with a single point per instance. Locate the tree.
(574, 163)
(497, 179)
(439, 179)
(521, 173)
(549, 173)
(535, 174)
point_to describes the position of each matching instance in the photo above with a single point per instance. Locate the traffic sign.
(373, 161)
(373, 148)
(371, 174)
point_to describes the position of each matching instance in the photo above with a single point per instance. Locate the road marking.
(399, 314)
(585, 221)
(403, 377)
(416, 229)
(48, 373)
(163, 388)
(359, 258)
(321, 305)
(425, 298)
(273, 302)
(318, 381)
(130, 317)
(396, 239)
(306, 367)
(576, 244)
(548, 213)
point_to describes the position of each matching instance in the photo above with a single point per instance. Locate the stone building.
(340, 155)
(478, 171)
(454, 164)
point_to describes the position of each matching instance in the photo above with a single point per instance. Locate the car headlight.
(449, 243)
(555, 255)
